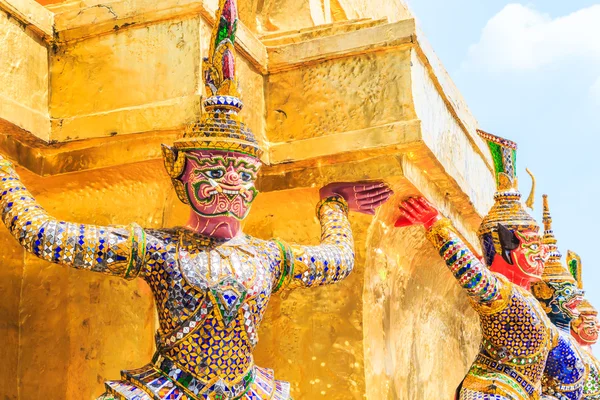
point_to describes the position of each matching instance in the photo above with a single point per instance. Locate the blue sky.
(530, 72)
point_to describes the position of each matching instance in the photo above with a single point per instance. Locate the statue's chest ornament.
(229, 274)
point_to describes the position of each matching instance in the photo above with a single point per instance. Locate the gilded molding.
(33, 15)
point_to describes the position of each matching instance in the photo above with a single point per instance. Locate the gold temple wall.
(347, 100)
(23, 63)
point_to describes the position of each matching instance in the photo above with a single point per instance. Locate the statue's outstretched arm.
(116, 251)
(476, 279)
(329, 262)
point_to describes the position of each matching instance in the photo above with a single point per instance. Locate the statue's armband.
(137, 252)
(286, 266)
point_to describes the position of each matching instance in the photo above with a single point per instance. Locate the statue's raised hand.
(417, 211)
(362, 197)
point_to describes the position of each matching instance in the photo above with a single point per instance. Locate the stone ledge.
(35, 16)
(394, 134)
(130, 120)
(29, 119)
(46, 159)
(74, 21)
(453, 98)
(377, 38)
(335, 28)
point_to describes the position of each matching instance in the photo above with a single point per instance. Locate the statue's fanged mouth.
(572, 304)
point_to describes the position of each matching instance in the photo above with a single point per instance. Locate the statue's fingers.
(417, 205)
(409, 216)
(408, 212)
(377, 204)
(405, 205)
(369, 186)
(376, 199)
(372, 193)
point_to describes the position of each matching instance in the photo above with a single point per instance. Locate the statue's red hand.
(362, 197)
(417, 211)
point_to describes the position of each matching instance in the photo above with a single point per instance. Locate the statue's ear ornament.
(508, 241)
(174, 161)
(542, 291)
(174, 164)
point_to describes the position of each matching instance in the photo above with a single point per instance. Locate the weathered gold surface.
(420, 331)
(74, 328)
(312, 335)
(23, 63)
(347, 100)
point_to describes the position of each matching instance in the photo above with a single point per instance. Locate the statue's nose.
(232, 177)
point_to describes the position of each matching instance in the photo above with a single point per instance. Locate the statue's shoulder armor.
(164, 234)
(268, 248)
(518, 327)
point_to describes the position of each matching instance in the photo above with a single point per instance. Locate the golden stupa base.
(335, 95)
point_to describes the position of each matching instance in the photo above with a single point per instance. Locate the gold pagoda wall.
(335, 90)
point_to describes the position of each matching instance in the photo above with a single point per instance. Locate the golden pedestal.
(334, 91)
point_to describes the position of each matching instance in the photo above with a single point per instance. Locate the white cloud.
(524, 39)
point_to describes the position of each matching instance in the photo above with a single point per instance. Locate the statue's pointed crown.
(575, 268)
(507, 209)
(554, 270)
(220, 127)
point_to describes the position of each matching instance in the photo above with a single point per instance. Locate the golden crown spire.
(554, 269)
(218, 68)
(575, 267)
(507, 209)
(220, 127)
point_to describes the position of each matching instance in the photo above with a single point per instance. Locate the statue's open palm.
(417, 211)
(362, 197)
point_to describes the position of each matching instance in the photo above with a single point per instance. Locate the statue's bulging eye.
(534, 247)
(215, 173)
(245, 176)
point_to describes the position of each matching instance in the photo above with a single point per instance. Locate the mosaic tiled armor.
(557, 292)
(591, 388)
(211, 296)
(516, 333)
(584, 330)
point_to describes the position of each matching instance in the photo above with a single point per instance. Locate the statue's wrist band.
(333, 199)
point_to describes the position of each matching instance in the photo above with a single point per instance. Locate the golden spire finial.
(549, 238)
(219, 67)
(554, 269)
(547, 218)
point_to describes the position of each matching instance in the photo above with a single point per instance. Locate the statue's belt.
(566, 387)
(506, 370)
(188, 383)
